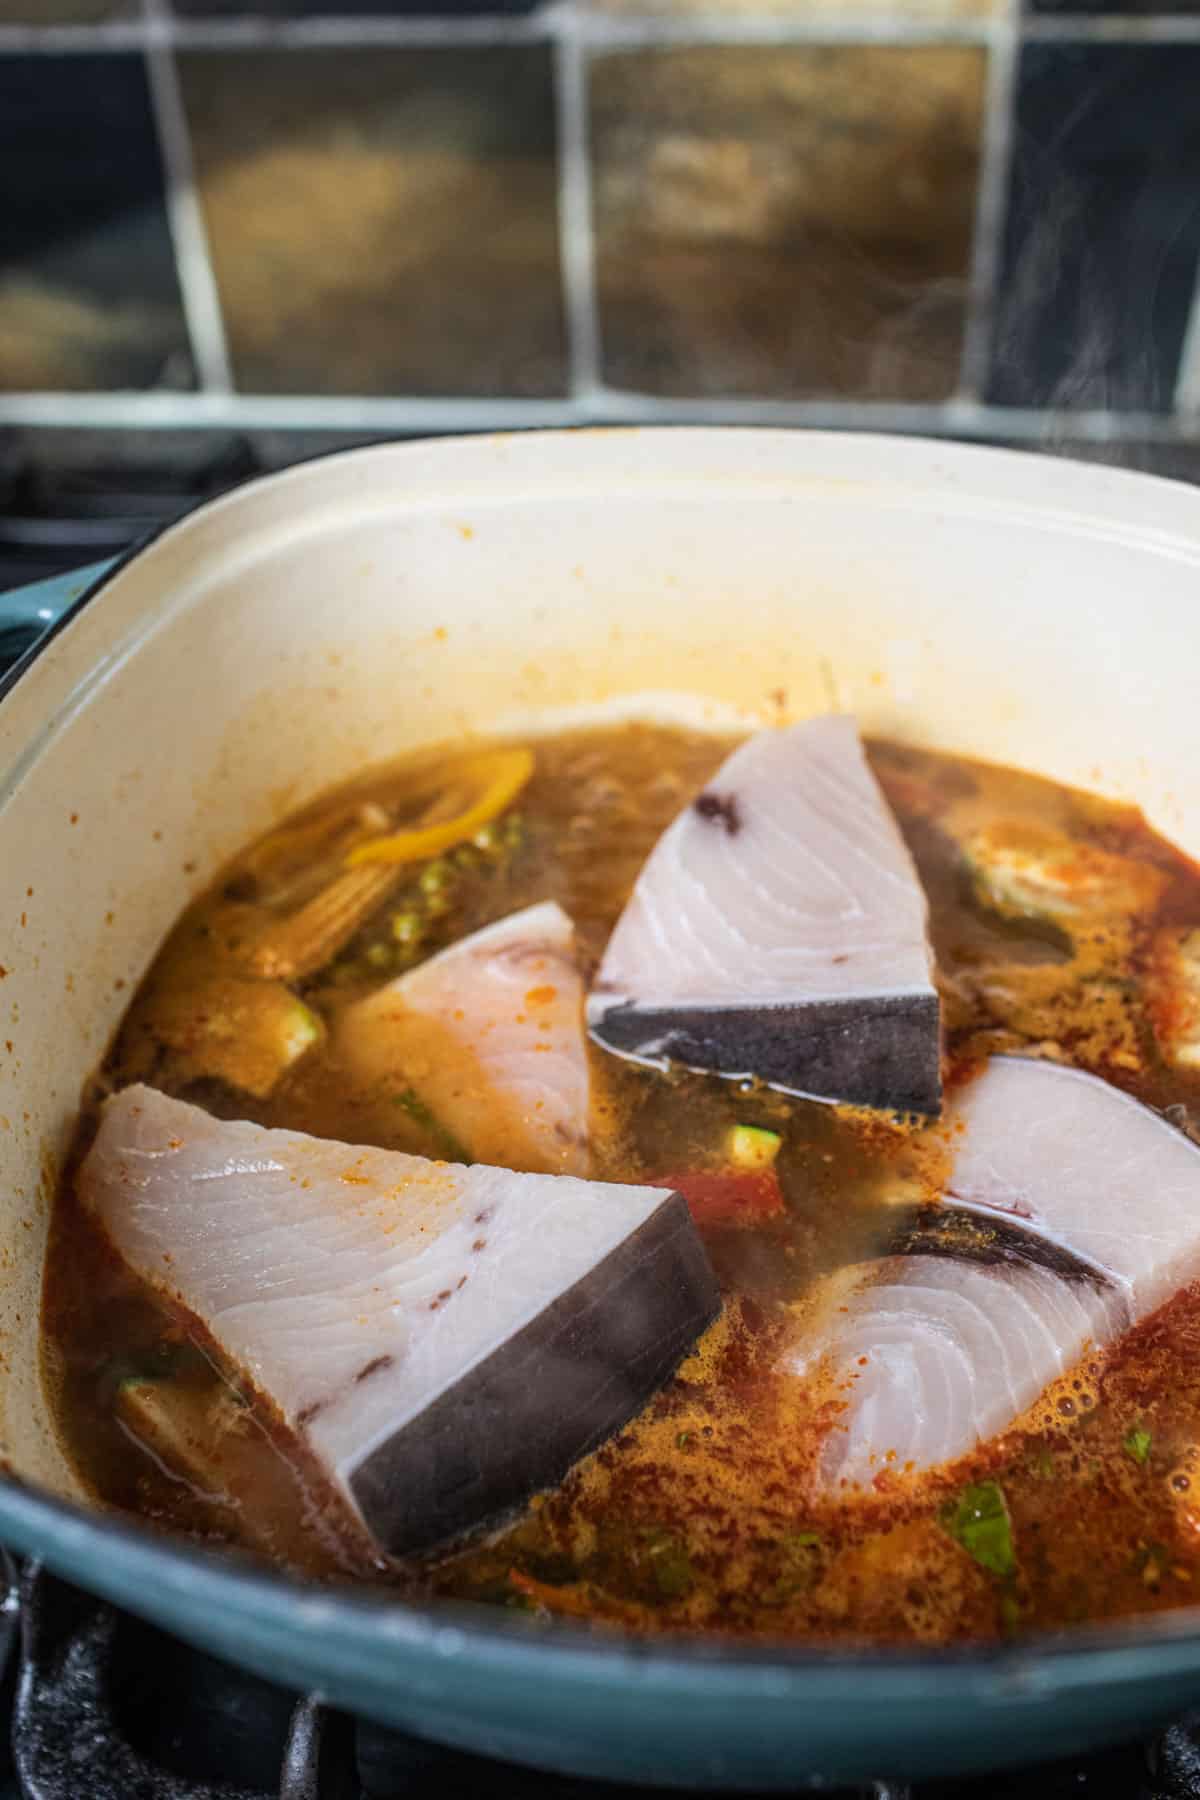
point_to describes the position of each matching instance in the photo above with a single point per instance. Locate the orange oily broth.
(694, 1516)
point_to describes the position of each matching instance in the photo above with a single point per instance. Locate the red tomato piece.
(741, 1197)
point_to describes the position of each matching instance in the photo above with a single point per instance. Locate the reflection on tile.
(301, 9)
(897, 11)
(88, 294)
(64, 12)
(382, 221)
(785, 222)
(1103, 226)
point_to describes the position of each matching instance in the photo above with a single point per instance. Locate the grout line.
(193, 263)
(56, 40)
(575, 230)
(620, 31)
(592, 30)
(276, 33)
(366, 414)
(1187, 381)
(162, 410)
(991, 201)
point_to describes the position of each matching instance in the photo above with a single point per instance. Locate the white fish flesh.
(1071, 1212)
(489, 1036)
(778, 930)
(445, 1340)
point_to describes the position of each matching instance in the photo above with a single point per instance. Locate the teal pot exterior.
(560, 1699)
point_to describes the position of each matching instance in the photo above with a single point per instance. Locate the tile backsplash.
(89, 296)
(382, 220)
(961, 215)
(785, 221)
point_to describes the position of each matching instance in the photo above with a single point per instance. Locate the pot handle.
(26, 612)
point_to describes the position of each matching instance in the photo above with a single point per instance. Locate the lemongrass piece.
(304, 942)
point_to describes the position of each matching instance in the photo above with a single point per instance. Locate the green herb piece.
(669, 1563)
(378, 956)
(419, 1113)
(1151, 1561)
(408, 928)
(752, 1146)
(436, 877)
(979, 1521)
(682, 1440)
(673, 1573)
(1043, 1462)
(1137, 1445)
(802, 1561)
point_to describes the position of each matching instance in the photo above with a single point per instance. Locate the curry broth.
(694, 1516)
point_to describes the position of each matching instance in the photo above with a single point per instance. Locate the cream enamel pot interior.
(1028, 610)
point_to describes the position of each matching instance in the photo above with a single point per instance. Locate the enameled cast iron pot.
(1027, 610)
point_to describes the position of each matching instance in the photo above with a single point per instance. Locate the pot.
(1031, 611)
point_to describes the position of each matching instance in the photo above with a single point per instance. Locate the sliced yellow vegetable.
(497, 776)
(297, 849)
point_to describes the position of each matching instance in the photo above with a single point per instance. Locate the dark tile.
(88, 293)
(785, 222)
(1175, 460)
(1103, 227)
(1125, 8)
(382, 221)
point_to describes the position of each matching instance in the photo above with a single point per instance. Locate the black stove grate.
(104, 1707)
(66, 506)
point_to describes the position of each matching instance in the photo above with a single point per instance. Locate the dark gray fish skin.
(552, 1393)
(993, 1240)
(880, 1052)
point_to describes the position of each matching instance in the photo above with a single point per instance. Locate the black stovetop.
(103, 1707)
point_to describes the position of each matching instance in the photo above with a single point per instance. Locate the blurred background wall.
(233, 233)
